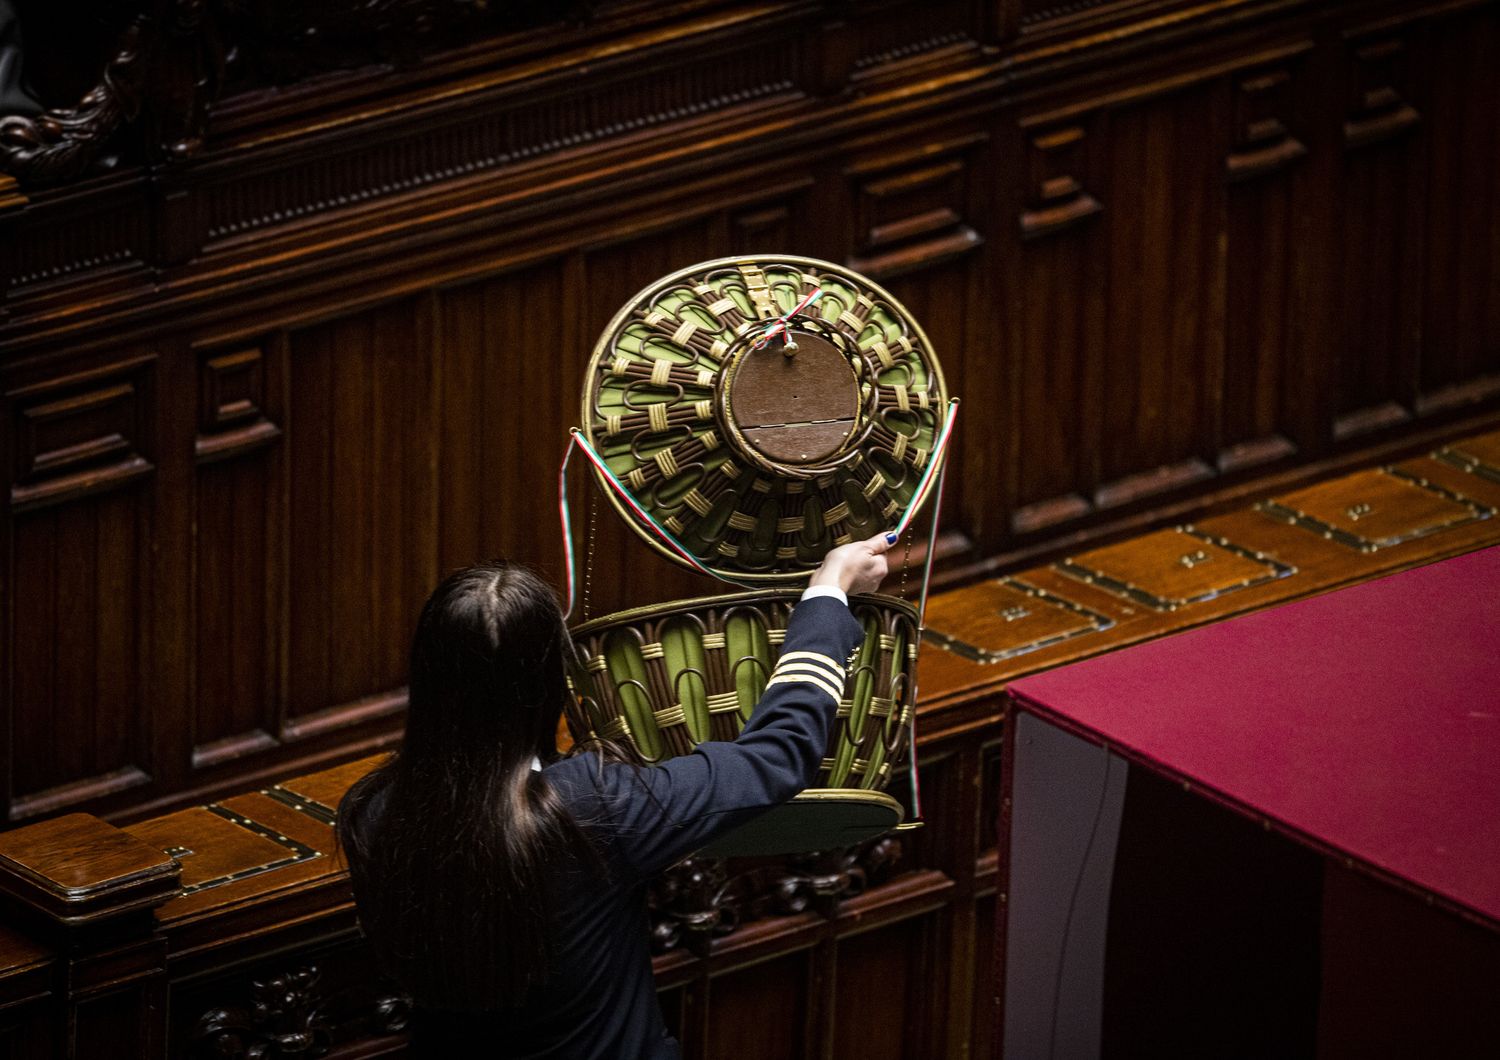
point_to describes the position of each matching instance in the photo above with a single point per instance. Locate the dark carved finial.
(59, 144)
(283, 1019)
(704, 898)
(178, 56)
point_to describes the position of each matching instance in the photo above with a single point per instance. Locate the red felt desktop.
(1273, 836)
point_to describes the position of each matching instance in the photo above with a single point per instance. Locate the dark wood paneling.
(239, 536)
(761, 1011)
(1461, 293)
(1379, 243)
(258, 401)
(982, 1043)
(1058, 288)
(1262, 417)
(79, 585)
(362, 515)
(1162, 380)
(882, 1010)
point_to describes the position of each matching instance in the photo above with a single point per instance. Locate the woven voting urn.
(666, 678)
(763, 410)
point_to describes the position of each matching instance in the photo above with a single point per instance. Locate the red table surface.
(1368, 720)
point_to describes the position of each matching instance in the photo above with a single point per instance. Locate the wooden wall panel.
(362, 516)
(238, 539)
(1379, 241)
(1058, 286)
(1461, 292)
(1121, 376)
(883, 1009)
(78, 585)
(503, 393)
(1162, 380)
(1263, 415)
(983, 1020)
(78, 580)
(760, 1012)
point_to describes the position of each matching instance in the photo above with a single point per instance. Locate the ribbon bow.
(779, 325)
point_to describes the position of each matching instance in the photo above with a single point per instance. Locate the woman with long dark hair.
(504, 887)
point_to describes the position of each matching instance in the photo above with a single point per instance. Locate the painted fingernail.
(890, 538)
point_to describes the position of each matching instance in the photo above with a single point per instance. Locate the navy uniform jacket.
(600, 1000)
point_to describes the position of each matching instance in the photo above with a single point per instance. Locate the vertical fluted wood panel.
(309, 444)
(78, 592)
(362, 539)
(1379, 244)
(1258, 318)
(883, 1008)
(235, 661)
(1061, 332)
(1461, 292)
(1163, 372)
(507, 390)
(760, 1013)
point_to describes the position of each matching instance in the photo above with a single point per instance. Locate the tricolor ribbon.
(938, 469)
(932, 475)
(779, 325)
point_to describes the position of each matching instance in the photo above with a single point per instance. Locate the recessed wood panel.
(236, 591)
(1266, 214)
(1162, 380)
(361, 528)
(985, 980)
(1379, 237)
(508, 391)
(232, 403)
(884, 992)
(761, 1012)
(238, 552)
(1060, 296)
(1478, 456)
(1002, 619)
(80, 593)
(1461, 288)
(911, 211)
(81, 434)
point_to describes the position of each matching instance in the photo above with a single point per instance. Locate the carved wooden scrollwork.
(177, 57)
(58, 144)
(165, 71)
(297, 1013)
(700, 899)
(283, 1019)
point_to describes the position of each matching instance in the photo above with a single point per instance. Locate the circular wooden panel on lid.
(758, 429)
(797, 406)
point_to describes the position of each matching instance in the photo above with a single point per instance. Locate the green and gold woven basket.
(664, 679)
(746, 415)
(759, 452)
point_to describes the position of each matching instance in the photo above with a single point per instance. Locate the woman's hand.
(858, 567)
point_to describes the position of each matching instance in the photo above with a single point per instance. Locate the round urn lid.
(764, 409)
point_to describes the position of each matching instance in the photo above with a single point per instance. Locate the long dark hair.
(452, 879)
